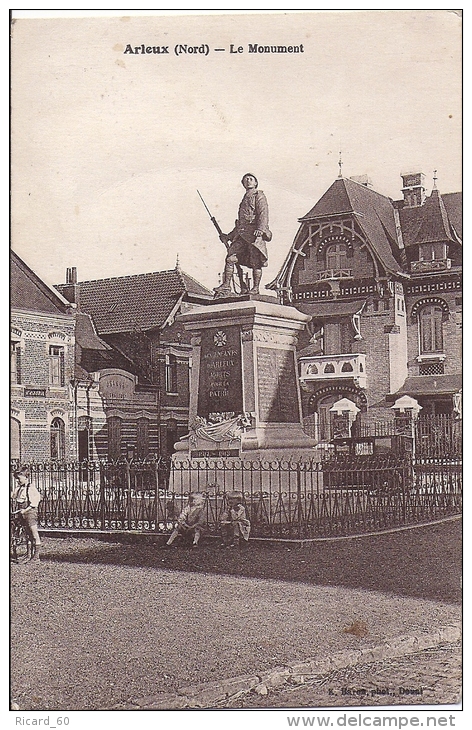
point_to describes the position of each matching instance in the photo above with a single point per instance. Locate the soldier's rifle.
(239, 270)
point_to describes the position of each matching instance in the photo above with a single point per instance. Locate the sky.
(108, 149)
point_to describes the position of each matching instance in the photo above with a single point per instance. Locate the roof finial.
(177, 263)
(340, 163)
(435, 177)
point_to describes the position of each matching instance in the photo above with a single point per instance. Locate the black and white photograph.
(236, 368)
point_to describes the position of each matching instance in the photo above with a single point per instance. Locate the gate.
(438, 436)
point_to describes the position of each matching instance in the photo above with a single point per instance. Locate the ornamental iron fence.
(437, 435)
(339, 495)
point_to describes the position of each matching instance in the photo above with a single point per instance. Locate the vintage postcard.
(236, 366)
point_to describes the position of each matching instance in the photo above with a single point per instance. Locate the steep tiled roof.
(429, 222)
(29, 291)
(453, 203)
(193, 287)
(91, 352)
(85, 334)
(137, 302)
(334, 200)
(376, 216)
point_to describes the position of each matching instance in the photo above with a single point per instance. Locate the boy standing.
(27, 499)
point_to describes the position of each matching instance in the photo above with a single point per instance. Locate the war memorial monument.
(244, 391)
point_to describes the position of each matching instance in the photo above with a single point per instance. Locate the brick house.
(42, 352)
(382, 281)
(132, 373)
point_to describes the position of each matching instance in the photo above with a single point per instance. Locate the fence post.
(102, 478)
(128, 491)
(156, 497)
(299, 499)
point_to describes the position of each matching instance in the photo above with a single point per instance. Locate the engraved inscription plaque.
(277, 389)
(220, 382)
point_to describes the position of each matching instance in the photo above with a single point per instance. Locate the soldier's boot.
(257, 276)
(225, 287)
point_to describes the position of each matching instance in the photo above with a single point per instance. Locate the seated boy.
(192, 520)
(234, 523)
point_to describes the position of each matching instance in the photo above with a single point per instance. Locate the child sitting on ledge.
(192, 520)
(234, 523)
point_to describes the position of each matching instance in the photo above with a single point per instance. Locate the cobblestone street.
(430, 677)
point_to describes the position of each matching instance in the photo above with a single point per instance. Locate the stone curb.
(213, 694)
(156, 538)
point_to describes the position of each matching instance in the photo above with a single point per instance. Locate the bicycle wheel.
(20, 544)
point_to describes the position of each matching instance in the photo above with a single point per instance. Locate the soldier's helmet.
(252, 175)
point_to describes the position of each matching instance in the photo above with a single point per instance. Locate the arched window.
(58, 440)
(431, 334)
(336, 256)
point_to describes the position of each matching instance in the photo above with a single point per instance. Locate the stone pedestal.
(244, 390)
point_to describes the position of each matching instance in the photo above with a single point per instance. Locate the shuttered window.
(15, 363)
(142, 438)
(431, 334)
(171, 374)
(114, 437)
(56, 366)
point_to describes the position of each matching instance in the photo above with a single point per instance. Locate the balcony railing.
(334, 274)
(436, 265)
(334, 367)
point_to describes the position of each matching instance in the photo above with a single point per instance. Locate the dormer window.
(336, 256)
(432, 257)
(336, 262)
(432, 251)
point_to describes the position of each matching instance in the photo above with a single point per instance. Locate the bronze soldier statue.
(248, 238)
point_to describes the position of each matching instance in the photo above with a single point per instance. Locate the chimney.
(362, 180)
(413, 189)
(71, 275)
(71, 289)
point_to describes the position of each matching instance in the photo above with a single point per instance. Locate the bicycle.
(21, 545)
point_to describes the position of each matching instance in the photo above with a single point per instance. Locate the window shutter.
(438, 330)
(142, 440)
(61, 361)
(18, 364)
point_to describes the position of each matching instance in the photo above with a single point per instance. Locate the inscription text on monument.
(278, 397)
(220, 382)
